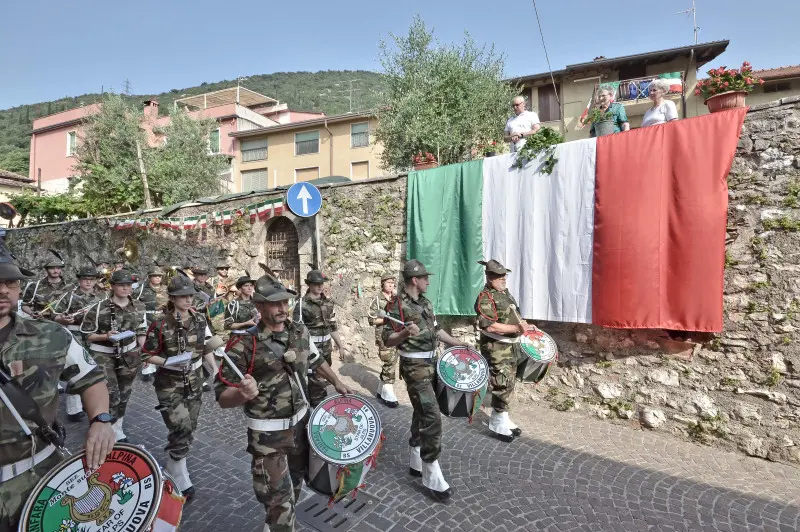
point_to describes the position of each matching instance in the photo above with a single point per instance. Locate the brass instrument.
(129, 251)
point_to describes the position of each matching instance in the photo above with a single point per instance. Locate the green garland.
(542, 142)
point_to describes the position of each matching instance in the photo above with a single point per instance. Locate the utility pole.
(693, 11)
(147, 202)
(126, 87)
(350, 90)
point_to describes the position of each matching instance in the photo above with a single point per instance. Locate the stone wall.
(738, 390)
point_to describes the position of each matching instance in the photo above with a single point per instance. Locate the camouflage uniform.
(120, 363)
(320, 318)
(387, 355)
(418, 373)
(240, 311)
(39, 294)
(494, 306)
(154, 299)
(37, 354)
(280, 457)
(179, 393)
(73, 301)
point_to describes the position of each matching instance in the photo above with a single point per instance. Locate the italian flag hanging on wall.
(628, 231)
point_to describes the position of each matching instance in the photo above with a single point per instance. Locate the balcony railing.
(637, 89)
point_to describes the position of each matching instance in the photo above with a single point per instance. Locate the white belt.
(273, 425)
(320, 339)
(103, 349)
(194, 366)
(7, 472)
(75, 328)
(499, 338)
(420, 354)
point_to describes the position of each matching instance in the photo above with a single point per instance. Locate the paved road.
(566, 473)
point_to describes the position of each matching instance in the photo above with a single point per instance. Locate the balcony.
(633, 91)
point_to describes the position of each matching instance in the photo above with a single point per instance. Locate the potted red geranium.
(726, 88)
(423, 161)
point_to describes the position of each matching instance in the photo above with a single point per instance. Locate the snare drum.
(462, 376)
(345, 436)
(129, 492)
(539, 352)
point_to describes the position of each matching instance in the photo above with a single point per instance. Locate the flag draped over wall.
(627, 231)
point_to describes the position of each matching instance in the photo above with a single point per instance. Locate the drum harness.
(494, 336)
(397, 328)
(22, 406)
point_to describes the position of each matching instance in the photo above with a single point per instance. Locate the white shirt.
(661, 114)
(521, 123)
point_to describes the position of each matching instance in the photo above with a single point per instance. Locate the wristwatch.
(105, 417)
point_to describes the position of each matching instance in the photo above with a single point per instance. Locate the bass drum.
(538, 352)
(128, 492)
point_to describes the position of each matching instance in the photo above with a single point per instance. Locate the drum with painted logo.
(462, 376)
(345, 437)
(538, 352)
(128, 492)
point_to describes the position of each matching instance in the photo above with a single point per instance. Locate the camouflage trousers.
(280, 463)
(388, 356)
(179, 408)
(426, 421)
(502, 359)
(14, 493)
(121, 372)
(318, 385)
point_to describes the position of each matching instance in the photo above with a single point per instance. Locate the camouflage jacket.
(318, 315)
(163, 336)
(206, 288)
(153, 298)
(98, 320)
(495, 306)
(37, 355)
(39, 294)
(74, 301)
(262, 356)
(240, 311)
(406, 309)
(379, 303)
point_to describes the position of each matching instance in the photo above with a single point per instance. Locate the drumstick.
(224, 355)
(384, 315)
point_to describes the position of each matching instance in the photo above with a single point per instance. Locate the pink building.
(55, 137)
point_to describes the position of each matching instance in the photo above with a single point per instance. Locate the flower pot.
(426, 166)
(606, 127)
(725, 100)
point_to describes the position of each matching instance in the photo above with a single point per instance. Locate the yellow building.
(11, 183)
(780, 82)
(283, 154)
(575, 86)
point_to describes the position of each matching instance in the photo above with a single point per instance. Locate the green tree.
(14, 160)
(107, 163)
(35, 209)
(442, 99)
(181, 168)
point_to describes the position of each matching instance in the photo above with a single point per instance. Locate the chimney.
(151, 108)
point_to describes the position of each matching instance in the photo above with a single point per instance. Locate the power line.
(541, 33)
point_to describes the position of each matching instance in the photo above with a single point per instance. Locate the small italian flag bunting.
(190, 222)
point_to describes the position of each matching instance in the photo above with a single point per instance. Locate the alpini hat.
(316, 277)
(200, 270)
(123, 276)
(269, 289)
(244, 279)
(415, 268)
(156, 270)
(387, 277)
(87, 272)
(494, 267)
(181, 285)
(9, 270)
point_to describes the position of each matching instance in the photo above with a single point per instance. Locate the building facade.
(301, 151)
(779, 83)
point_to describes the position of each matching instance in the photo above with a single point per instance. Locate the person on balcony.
(523, 124)
(663, 110)
(605, 101)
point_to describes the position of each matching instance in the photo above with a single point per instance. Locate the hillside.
(301, 90)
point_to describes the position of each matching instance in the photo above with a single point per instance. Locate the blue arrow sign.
(304, 199)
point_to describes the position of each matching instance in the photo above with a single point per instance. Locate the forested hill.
(328, 91)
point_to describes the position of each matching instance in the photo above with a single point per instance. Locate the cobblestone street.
(565, 473)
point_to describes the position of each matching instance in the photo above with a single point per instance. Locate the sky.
(53, 48)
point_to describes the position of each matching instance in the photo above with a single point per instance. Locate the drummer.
(274, 361)
(179, 332)
(36, 354)
(388, 355)
(501, 327)
(416, 344)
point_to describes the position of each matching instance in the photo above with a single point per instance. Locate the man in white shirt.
(522, 124)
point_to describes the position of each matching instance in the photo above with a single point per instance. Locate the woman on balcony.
(663, 110)
(605, 101)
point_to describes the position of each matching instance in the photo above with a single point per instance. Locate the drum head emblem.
(344, 429)
(463, 369)
(539, 346)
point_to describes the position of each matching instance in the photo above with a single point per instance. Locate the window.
(359, 170)
(254, 150)
(306, 174)
(549, 109)
(255, 180)
(305, 143)
(72, 143)
(777, 87)
(359, 135)
(213, 141)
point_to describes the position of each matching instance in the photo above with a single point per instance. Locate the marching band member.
(274, 360)
(241, 313)
(114, 329)
(387, 355)
(416, 343)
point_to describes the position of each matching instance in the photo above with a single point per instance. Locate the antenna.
(239, 81)
(693, 11)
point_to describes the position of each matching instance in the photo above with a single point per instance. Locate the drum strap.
(483, 294)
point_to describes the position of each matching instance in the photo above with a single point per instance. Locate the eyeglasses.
(10, 284)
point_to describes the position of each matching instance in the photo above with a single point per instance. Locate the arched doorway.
(282, 254)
